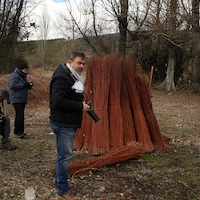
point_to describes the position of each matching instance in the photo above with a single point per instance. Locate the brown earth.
(172, 175)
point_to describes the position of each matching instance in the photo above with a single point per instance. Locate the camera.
(30, 85)
(91, 112)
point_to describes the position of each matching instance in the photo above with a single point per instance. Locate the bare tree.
(97, 28)
(13, 22)
(91, 24)
(71, 24)
(195, 42)
(10, 19)
(169, 79)
(44, 29)
(161, 34)
(118, 12)
(183, 34)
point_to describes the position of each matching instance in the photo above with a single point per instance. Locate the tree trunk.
(170, 71)
(123, 27)
(169, 80)
(195, 68)
(168, 83)
(195, 43)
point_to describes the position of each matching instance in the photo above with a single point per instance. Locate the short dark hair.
(74, 54)
(4, 93)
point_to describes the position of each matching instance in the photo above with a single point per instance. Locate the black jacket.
(65, 105)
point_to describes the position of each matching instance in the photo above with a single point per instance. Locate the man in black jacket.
(66, 107)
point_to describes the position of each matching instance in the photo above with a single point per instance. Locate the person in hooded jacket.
(18, 88)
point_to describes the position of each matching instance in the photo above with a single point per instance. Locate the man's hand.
(85, 107)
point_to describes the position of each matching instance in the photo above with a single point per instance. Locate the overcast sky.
(52, 7)
(58, 1)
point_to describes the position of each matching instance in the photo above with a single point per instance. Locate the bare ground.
(172, 175)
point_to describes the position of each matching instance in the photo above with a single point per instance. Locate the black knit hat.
(23, 66)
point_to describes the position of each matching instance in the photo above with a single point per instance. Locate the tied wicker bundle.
(121, 100)
(115, 111)
(142, 131)
(130, 151)
(101, 68)
(128, 122)
(156, 136)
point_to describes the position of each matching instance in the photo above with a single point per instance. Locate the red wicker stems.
(129, 134)
(100, 89)
(141, 127)
(115, 111)
(156, 136)
(130, 151)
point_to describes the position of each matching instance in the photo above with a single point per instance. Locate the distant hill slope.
(56, 51)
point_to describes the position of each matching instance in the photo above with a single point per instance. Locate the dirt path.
(178, 115)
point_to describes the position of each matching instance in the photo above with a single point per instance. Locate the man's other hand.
(85, 107)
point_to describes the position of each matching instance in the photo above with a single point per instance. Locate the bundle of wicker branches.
(121, 99)
(123, 153)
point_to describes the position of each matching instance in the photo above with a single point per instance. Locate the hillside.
(56, 52)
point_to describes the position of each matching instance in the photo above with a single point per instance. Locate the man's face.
(24, 70)
(77, 64)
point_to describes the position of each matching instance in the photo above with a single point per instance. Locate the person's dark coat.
(17, 87)
(65, 104)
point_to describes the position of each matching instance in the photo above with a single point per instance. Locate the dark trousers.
(19, 118)
(6, 130)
